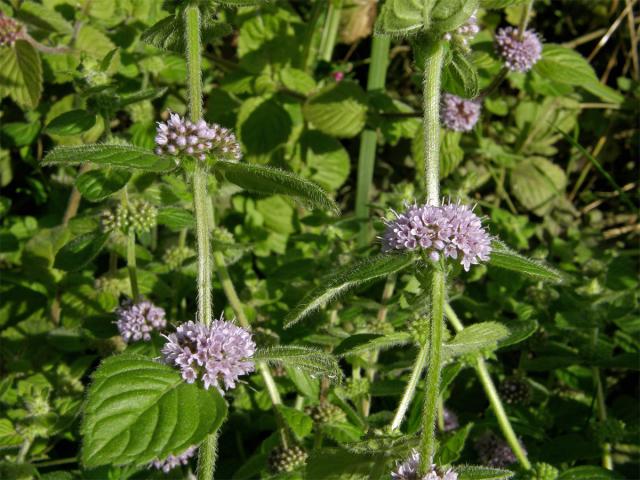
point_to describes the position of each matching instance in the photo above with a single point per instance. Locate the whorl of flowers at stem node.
(173, 461)
(450, 420)
(495, 452)
(181, 136)
(450, 230)
(218, 354)
(138, 215)
(282, 459)
(464, 32)
(136, 321)
(458, 114)
(10, 30)
(518, 55)
(409, 470)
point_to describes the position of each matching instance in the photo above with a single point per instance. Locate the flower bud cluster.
(283, 459)
(459, 114)
(175, 256)
(325, 413)
(138, 215)
(136, 321)
(519, 55)
(182, 136)
(10, 30)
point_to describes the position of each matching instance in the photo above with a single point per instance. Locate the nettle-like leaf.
(123, 156)
(475, 338)
(140, 95)
(299, 422)
(339, 110)
(21, 74)
(44, 18)
(518, 332)
(168, 33)
(272, 181)
(477, 472)
(176, 218)
(402, 17)
(76, 254)
(310, 360)
(447, 15)
(96, 185)
(346, 279)
(451, 447)
(536, 182)
(503, 257)
(460, 76)
(364, 342)
(73, 122)
(138, 410)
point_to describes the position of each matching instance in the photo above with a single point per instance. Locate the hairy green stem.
(200, 200)
(131, 264)
(434, 283)
(368, 139)
(330, 31)
(492, 395)
(431, 121)
(194, 60)
(410, 389)
(601, 405)
(207, 456)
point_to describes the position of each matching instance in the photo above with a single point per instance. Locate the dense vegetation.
(253, 162)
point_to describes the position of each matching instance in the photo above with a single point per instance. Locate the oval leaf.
(96, 185)
(138, 410)
(270, 181)
(364, 342)
(346, 279)
(71, 123)
(339, 110)
(503, 257)
(310, 360)
(477, 472)
(176, 218)
(124, 156)
(76, 254)
(475, 338)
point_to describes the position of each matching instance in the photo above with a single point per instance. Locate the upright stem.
(492, 395)
(209, 448)
(368, 140)
(410, 389)
(434, 283)
(431, 121)
(607, 459)
(131, 264)
(330, 31)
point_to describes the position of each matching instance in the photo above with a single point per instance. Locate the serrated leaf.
(168, 33)
(8, 435)
(363, 342)
(503, 257)
(176, 218)
(299, 422)
(40, 16)
(21, 74)
(447, 15)
(123, 156)
(564, 65)
(536, 182)
(339, 110)
(401, 17)
(346, 279)
(338, 464)
(263, 125)
(76, 254)
(518, 332)
(73, 122)
(460, 76)
(310, 360)
(476, 472)
(96, 185)
(342, 432)
(326, 159)
(91, 41)
(141, 95)
(475, 338)
(271, 181)
(138, 410)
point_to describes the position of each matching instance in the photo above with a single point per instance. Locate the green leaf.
(93, 42)
(536, 182)
(299, 422)
(451, 448)
(263, 125)
(42, 17)
(339, 110)
(310, 360)
(326, 159)
(297, 80)
(21, 74)
(71, 123)
(475, 338)
(270, 181)
(176, 218)
(503, 257)
(138, 410)
(500, 3)
(589, 472)
(447, 15)
(342, 432)
(76, 254)
(460, 76)
(518, 332)
(168, 33)
(8, 435)
(338, 464)
(141, 95)
(346, 279)
(124, 156)
(96, 185)
(363, 342)
(402, 17)
(475, 472)
(564, 65)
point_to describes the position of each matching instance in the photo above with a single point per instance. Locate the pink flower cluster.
(10, 30)
(408, 470)
(519, 55)
(173, 461)
(136, 321)
(458, 114)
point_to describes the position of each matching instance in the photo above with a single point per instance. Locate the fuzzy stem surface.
(431, 121)
(410, 389)
(131, 264)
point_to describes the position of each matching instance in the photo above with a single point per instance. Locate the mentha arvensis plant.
(136, 321)
(519, 52)
(459, 114)
(409, 470)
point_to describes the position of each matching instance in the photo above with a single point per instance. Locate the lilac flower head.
(458, 114)
(408, 470)
(10, 30)
(519, 55)
(173, 461)
(136, 321)
(495, 452)
(446, 231)
(217, 354)
(464, 32)
(179, 135)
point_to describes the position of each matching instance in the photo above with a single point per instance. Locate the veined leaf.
(123, 156)
(138, 410)
(168, 33)
(299, 422)
(271, 181)
(346, 279)
(447, 15)
(475, 338)
(139, 96)
(364, 342)
(96, 185)
(503, 257)
(339, 110)
(40, 16)
(310, 360)
(461, 76)
(176, 218)
(73, 122)
(518, 331)
(476, 472)
(21, 74)
(500, 3)
(80, 251)
(402, 17)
